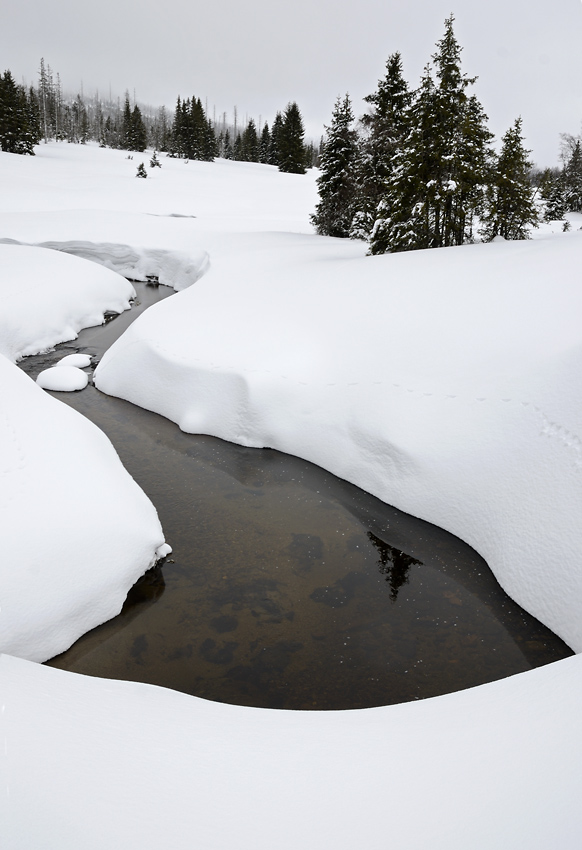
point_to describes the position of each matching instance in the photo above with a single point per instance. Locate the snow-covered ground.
(445, 382)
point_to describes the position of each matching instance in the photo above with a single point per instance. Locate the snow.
(63, 379)
(47, 298)
(76, 530)
(446, 382)
(81, 361)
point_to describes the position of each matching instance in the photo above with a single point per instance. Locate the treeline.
(420, 171)
(28, 116)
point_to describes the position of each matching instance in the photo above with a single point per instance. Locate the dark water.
(287, 587)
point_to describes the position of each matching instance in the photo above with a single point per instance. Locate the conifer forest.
(418, 170)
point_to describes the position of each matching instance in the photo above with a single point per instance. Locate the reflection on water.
(290, 588)
(394, 564)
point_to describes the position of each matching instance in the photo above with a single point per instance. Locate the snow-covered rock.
(81, 361)
(62, 379)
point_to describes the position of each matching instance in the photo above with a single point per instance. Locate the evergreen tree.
(439, 171)
(265, 144)
(250, 142)
(228, 152)
(138, 133)
(237, 148)
(401, 218)
(336, 184)
(573, 179)
(553, 194)
(276, 134)
(19, 126)
(385, 128)
(154, 161)
(290, 143)
(126, 129)
(192, 134)
(510, 209)
(141, 172)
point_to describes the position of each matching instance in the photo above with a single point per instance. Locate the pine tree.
(402, 223)
(250, 142)
(154, 161)
(553, 194)
(441, 166)
(228, 152)
(141, 172)
(265, 144)
(573, 179)
(510, 210)
(126, 129)
(290, 143)
(237, 148)
(19, 126)
(138, 132)
(276, 134)
(385, 128)
(336, 184)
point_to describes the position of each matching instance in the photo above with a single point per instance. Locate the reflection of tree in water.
(393, 563)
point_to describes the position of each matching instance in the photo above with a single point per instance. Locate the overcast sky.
(260, 54)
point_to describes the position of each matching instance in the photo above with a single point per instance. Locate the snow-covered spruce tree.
(250, 142)
(276, 134)
(510, 209)
(138, 130)
(154, 161)
(336, 183)
(573, 179)
(19, 120)
(290, 142)
(141, 172)
(440, 169)
(265, 144)
(401, 220)
(384, 130)
(553, 194)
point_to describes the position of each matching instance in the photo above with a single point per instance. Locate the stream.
(288, 587)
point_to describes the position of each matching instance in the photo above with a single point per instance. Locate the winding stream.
(288, 587)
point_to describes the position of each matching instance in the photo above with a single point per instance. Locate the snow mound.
(444, 382)
(81, 361)
(177, 269)
(49, 297)
(76, 531)
(63, 379)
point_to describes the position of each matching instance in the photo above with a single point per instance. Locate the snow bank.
(48, 297)
(443, 382)
(171, 268)
(498, 766)
(75, 529)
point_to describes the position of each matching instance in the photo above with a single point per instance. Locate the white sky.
(260, 54)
